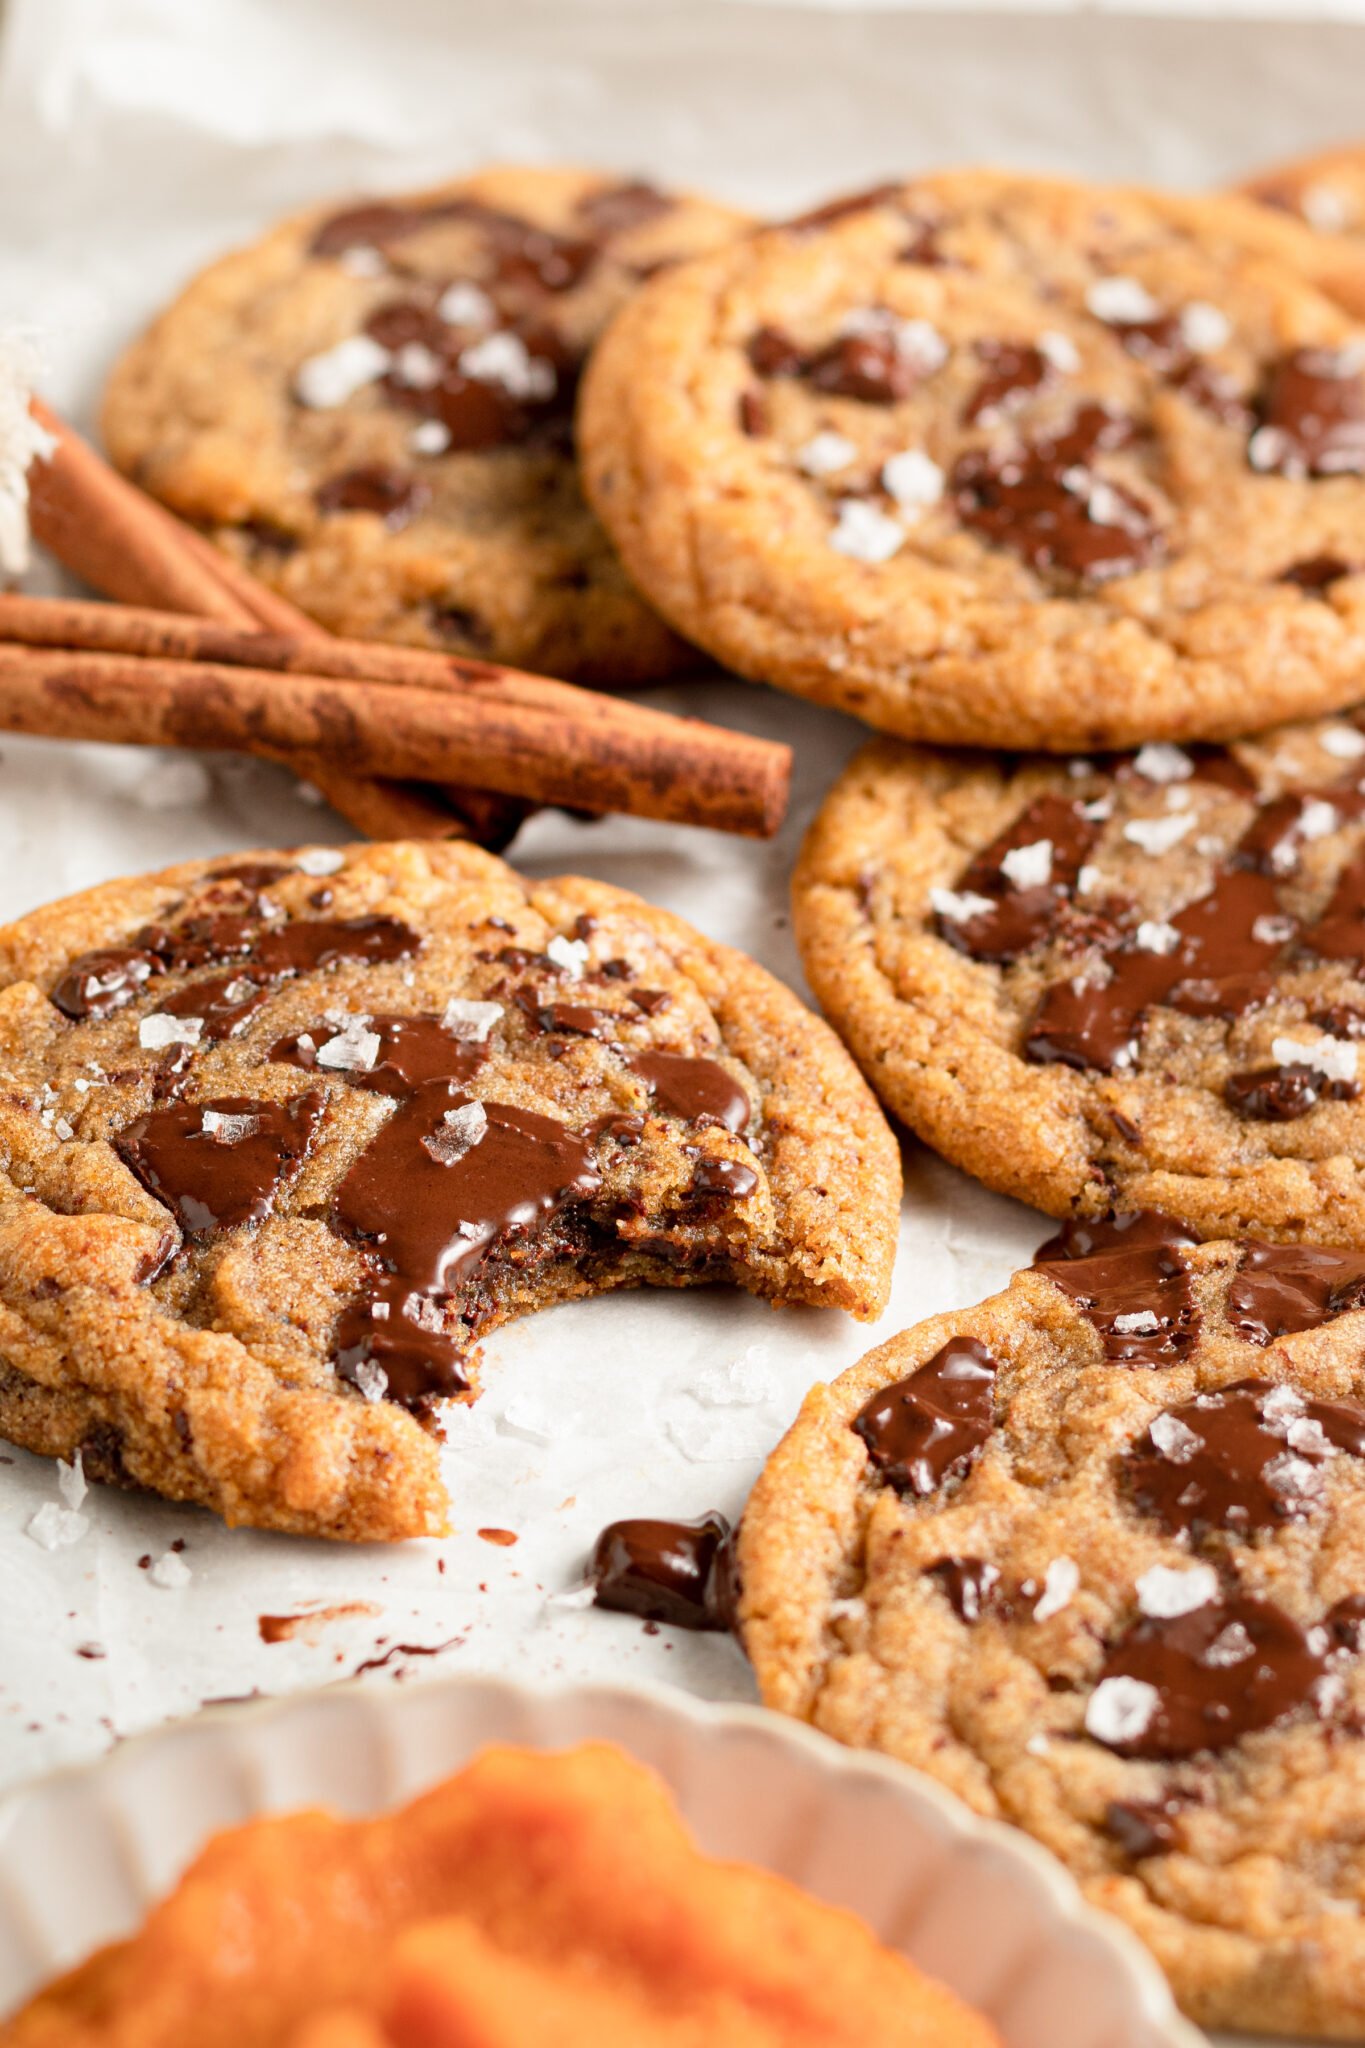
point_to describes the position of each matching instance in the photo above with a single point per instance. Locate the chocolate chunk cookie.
(371, 408)
(1092, 1554)
(990, 459)
(1328, 192)
(1137, 978)
(281, 1137)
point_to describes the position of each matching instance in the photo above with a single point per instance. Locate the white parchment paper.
(137, 139)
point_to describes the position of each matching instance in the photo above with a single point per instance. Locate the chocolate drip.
(1280, 1289)
(1129, 1280)
(1282, 1094)
(929, 1428)
(692, 1089)
(1014, 370)
(219, 1163)
(393, 495)
(680, 1572)
(1021, 918)
(969, 1585)
(1215, 1675)
(1041, 500)
(1312, 414)
(1244, 1459)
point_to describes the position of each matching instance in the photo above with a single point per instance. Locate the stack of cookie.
(1063, 489)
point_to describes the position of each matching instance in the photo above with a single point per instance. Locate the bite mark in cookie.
(273, 1173)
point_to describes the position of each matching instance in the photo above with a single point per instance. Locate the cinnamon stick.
(121, 542)
(637, 760)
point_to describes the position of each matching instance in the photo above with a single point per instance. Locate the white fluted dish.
(83, 1853)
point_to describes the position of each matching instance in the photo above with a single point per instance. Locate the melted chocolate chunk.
(1282, 1094)
(216, 1164)
(393, 495)
(576, 1020)
(753, 414)
(868, 364)
(929, 1428)
(691, 1088)
(96, 984)
(679, 1572)
(969, 1585)
(252, 875)
(1214, 1675)
(477, 411)
(1312, 414)
(225, 1003)
(1220, 966)
(1280, 1289)
(728, 1177)
(1339, 933)
(440, 1184)
(1317, 573)
(1244, 1459)
(1041, 500)
(432, 1213)
(651, 1000)
(412, 1051)
(1129, 1280)
(520, 253)
(1022, 917)
(1014, 370)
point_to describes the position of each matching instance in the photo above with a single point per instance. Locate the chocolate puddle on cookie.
(1219, 956)
(1172, 1686)
(1245, 1459)
(1129, 1279)
(220, 1163)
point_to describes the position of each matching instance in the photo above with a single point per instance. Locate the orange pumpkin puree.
(531, 1899)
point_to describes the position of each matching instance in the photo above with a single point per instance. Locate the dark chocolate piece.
(969, 1585)
(1244, 1459)
(1312, 415)
(679, 1572)
(1041, 500)
(1022, 917)
(219, 1163)
(691, 1088)
(1128, 1278)
(1282, 1288)
(1213, 1675)
(929, 1428)
(393, 495)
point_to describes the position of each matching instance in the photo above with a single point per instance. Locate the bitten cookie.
(371, 409)
(1137, 979)
(282, 1136)
(1092, 1555)
(992, 459)
(1328, 192)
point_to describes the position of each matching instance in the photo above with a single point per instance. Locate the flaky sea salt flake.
(160, 1030)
